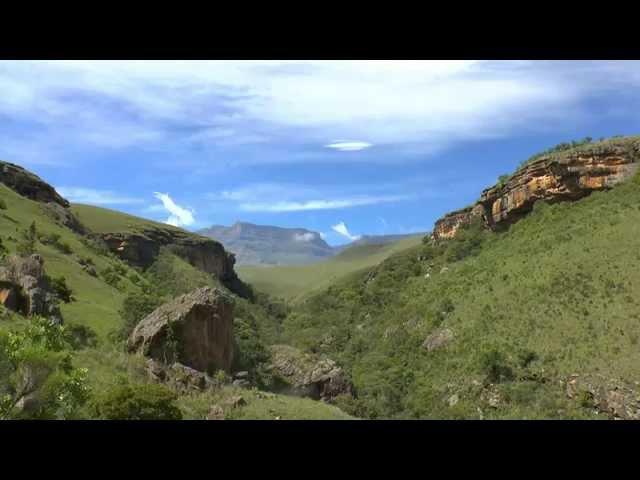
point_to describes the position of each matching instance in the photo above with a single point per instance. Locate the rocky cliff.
(29, 185)
(142, 248)
(564, 176)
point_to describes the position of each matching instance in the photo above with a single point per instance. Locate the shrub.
(61, 289)
(27, 245)
(134, 308)
(81, 336)
(137, 402)
(3, 204)
(494, 364)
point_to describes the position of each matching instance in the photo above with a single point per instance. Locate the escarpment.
(29, 185)
(565, 176)
(142, 248)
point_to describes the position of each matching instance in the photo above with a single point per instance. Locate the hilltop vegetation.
(556, 294)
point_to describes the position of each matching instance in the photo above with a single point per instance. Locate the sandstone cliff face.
(141, 249)
(29, 185)
(195, 329)
(564, 176)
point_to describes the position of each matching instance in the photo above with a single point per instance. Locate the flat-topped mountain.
(263, 244)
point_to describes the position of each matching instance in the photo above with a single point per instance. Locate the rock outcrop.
(141, 249)
(564, 176)
(195, 329)
(24, 288)
(306, 375)
(611, 397)
(29, 185)
(438, 339)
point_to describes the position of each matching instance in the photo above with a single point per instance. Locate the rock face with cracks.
(195, 329)
(564, 176)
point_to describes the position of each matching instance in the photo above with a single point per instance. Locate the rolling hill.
(294, 281)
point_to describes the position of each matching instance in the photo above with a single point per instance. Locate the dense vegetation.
(554, 295)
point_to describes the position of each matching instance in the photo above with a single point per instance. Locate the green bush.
(134, 308)
(494, 364)
(137, 402)
(61, 289)
(3, 204)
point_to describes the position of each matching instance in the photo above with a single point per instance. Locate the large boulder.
(195, 329)
(24, 288)
(303, 374)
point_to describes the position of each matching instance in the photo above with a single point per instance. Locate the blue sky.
(341, 147)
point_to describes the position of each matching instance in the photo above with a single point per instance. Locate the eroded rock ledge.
(142, 248)
(564, 176)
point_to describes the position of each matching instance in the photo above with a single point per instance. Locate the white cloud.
(178, 216)
(304, 237)
(342, 229)
(349, 146)
(285, 206)
(96, 197)
(124, 103)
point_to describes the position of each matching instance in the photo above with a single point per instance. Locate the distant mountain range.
(265, 244)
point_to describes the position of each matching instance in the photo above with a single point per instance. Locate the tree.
(37, 379)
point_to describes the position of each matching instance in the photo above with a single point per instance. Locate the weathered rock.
(563, 176)
(29, 185)
(453, 400)
(179, 377)
(63, 216)
(448, 226)
(612, 397)
(141, 250)
(439, 338)
(241, 383)
(215, 413)
(235, 401)
(491, 396)
(195, 329)
(306, 375)
(24, 288)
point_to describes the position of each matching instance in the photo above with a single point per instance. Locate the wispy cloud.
(319, 204)
(342, 229)
(349, 146)
(120, 104)
(96, 197)
(178, 216)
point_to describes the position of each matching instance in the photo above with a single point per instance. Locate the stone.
(24, 288)
(235, 401)
(307, 375)
(241, 383)
(439, 338)
(453, 400)
(215, 413)
(243, 374)
(195, 329)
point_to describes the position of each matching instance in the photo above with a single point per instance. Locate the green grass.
(104, 220)
(561, 287)
(293, 282)
(259, 406)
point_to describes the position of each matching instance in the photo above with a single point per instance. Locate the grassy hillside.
(104, 220)
(556, 294)
(98, 305)
(294, 281)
